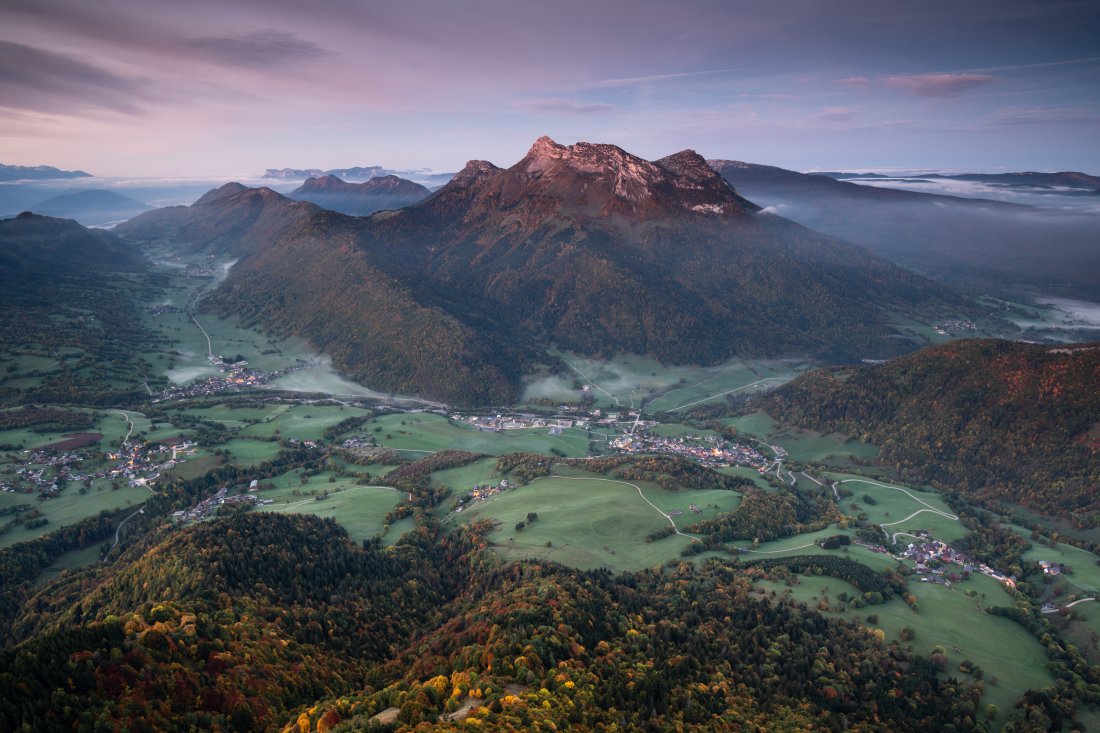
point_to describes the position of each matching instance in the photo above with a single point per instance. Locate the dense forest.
(264, 622)
(991, 419)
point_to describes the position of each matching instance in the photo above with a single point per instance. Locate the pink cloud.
(853, 81)
(938, 85)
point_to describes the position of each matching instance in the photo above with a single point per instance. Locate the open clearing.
(417, 433)
(1001, 647)
(590, 523)
(805, 446)
(629, 380)
(361, 510)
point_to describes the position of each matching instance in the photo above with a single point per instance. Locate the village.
(49, 471)
(710, 451)
(210, 505)
(236, 377)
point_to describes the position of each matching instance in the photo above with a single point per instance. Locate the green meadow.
(1012, 660)
(591, 523)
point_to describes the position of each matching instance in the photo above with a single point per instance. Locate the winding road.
(928, 507)
(118, 530)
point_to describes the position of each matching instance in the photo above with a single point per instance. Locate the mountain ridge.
(585, 247)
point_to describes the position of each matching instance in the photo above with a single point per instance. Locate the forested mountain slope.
(989, 418)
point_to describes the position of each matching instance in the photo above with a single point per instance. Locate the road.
(723, 394)
(1068, 605)
(118, 530)
(129, 422)
(929, 508)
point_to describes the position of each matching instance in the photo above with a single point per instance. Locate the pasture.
(628, 381)
(1001, 647)
(418, 433)
(591, 523)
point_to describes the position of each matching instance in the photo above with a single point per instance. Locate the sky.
(163, 88)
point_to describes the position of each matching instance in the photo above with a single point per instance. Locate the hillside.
(360, 199)
(67, 288)
(992, 419)
(587, 248)
(91, 207)
(268, 622)
(35, 248)
(971, 242)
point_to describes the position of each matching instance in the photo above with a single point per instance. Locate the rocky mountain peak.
(473, 171)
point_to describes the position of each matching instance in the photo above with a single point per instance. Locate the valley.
(799, 487)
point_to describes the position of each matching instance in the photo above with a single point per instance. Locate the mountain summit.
(360, 199)
(584, 247)
(600, 181)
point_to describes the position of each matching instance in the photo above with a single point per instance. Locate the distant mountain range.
(1063, 179)
(360, 199)
(967, 241)
(585, 247)
(358, 173)
(90, 207)
(37, 173)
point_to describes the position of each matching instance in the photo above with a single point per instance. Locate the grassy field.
(361, 510)
(68, 508)
(892, 508)
(804, 446)
(1002, 648)
(627, 381)
(418, 433)
(591, 523)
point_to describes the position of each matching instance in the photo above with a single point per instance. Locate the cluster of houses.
(481, 492)
(930, 554)
(235, 377)
(497, 423)
(211, 504)
(47, 471)
(140, 464)
(954, 325)
(44, 471)
(160, 310)
(709, 451)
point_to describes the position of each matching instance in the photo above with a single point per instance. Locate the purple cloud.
(258, 48)
(853, 81)
(939, 85)
(561, 106)
(44, 81)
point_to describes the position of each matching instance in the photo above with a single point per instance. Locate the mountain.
(360, 199)
(37, 173)
(91, 207)
(359, 173)
(993, 419)
(67, 289)
(585, 247)
(35, 248)
(965, 241)
(763, 181)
